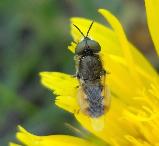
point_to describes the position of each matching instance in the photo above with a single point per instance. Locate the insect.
(93, 93)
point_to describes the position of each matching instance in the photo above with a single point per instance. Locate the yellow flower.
(152, 7)
(134, 113)
(53, 140)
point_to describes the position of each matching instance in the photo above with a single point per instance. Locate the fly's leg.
(82, 101)
(77, 111)
(77, 86)
(104, 72)
(76, 76)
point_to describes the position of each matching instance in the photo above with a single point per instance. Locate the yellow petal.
(60, 83)
(120, 34)
(13, 144)
(53, 140)
(72, 47)
(152, 7)
(125, 47)
(136, 142)
(68, 103)
(63, 85)
(131, 75)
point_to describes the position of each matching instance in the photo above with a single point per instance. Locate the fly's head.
(87, 45)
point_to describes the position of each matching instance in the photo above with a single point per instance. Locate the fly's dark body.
(89, 73)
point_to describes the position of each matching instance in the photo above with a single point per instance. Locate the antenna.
(89, 28)
(79, 30)
(87, 31)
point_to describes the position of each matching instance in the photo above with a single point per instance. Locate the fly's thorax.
(90, 67)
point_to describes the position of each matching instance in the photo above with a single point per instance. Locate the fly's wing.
(98, 123)
(105, 94)
(107, 99)
(82, 101)
(103, 60)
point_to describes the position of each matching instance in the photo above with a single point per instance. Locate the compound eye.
(94, 46)
(87, 44)
(80, 47)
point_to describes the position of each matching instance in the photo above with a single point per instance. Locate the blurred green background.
(34, 35)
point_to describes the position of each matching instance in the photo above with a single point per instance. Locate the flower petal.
(120, 35)
(13, 144)
(63, 85)
(68, 103)
(53, 140)
(152, 7)
(60, 83)
(131, 75)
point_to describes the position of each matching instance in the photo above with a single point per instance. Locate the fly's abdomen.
(95, 100)
(96, 109)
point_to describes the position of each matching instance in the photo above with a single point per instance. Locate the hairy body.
(93, 95)
(89, 73)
